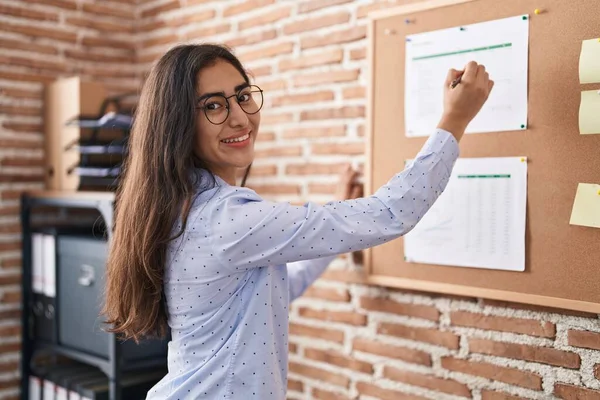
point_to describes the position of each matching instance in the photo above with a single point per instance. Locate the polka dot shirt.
(230, 278)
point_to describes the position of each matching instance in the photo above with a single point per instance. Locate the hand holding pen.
(464, 94)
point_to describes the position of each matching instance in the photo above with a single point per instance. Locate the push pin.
(598, 192)
(388, 31)
(537, 11)
(408, 21)
(523, 159)
(462, 28)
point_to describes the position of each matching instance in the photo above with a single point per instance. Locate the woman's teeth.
(239, 139)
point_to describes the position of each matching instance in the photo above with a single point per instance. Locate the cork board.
(562, 261)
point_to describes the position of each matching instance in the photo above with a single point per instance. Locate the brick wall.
(39, 41)
(348, 339)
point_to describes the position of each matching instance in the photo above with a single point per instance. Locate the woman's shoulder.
(213, 194)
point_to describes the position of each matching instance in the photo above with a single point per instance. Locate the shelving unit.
(115, 364)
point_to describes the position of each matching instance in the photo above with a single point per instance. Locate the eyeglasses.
(216, 108)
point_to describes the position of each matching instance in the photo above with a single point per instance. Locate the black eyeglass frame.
(253, 89)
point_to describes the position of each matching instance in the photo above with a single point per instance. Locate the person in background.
(213, 263)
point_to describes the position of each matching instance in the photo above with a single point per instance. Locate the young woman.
(213, 262)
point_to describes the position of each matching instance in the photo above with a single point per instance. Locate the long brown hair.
(156, 189)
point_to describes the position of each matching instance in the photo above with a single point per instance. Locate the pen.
(455, 82)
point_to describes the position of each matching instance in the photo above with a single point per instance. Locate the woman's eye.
(212, 106)
(244, 97)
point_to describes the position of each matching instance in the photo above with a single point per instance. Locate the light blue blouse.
(230, 278)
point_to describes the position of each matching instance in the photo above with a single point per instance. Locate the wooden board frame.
(577, 295)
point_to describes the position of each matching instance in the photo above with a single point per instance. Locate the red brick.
(314, 132)
(9, 210)
(303, 98)
(570, 392)
(10, 298)
(512, 376)
(20, 110)
(354, 92)
(338, 359)
(38, 32)
(322, 293)
(320, 394)
(85, 55)
(278, 152)
(334, 56)
(272, 118)
(397, 352)
(21, 94)
(368, 389)
(160, 9)
(315, 169)
(545, 355)
(358, 54)
(9, 314)
(65, 4)
(263, 170)
(427, 381)
(101, 41)
(517, 306)
(9, 384)
(208, 31)
(427, 335)
(309, 24)
(10, 227)
(267, 51)
(21, 12)
(503, 324)
(21, 76)
(10, 348)
(320, 78)
(265, 137)
(345, 317)
(27, 46)
(338, 37)
(334, 113)
(331, 335)
(585, 339)
(245, 6)
(315, 5)
(8, 246)
(264, 70)
(99, 25)
(273, 85)
(351, 149)
(6, 331)
(10, 279)
(268, 17)
(490, 395)
(293, 348)
(33, 63)
(389, 306)
(296, 386)
(322, 188)
(119, 11)
(158, 40)
(253, 38)
(318, 374)
(20, 144)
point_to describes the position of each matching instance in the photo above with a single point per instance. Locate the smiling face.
(230, 145)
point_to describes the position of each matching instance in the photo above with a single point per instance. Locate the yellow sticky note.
(589, 61)
(589, 112)
(586, 207)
